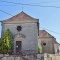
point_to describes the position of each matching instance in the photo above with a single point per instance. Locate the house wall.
(29, 29)
(57, 48)
(49, 47)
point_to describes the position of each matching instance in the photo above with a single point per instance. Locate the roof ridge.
(45, 33)
(21, 15)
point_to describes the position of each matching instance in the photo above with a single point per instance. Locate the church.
(25, 31)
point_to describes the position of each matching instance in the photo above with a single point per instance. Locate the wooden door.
(18, 46)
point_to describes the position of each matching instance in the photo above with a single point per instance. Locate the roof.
(21, 15)
(45, 34)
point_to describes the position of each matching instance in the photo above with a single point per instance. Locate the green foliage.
(39, 49)
(6, 44)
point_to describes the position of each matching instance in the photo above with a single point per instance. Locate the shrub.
(6, 44)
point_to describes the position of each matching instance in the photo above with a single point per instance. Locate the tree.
(7, 42)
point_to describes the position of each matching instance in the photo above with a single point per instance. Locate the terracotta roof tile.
(21, 15)
(44, 33)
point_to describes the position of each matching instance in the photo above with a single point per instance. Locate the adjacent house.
(47, 42)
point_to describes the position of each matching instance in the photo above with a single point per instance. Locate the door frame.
(19, 45)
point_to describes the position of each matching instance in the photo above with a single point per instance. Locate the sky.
(47, 11)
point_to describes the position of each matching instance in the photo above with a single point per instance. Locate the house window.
(44, 44)
(19, 28)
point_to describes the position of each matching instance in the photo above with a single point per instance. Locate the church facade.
(24, 30)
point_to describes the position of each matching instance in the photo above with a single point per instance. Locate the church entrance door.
(18, 46)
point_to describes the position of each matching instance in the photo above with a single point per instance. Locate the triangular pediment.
(20, 36)
(21, 17)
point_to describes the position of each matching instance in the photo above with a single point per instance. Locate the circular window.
(44, 44)
(19, 28)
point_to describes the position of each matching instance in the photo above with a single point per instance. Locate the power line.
(9, 2)
(6, 13)
(7, 5)
(34, 5)
(50, 30)
(45, 2)
(40, 27)
(29, 4)
(50, 1)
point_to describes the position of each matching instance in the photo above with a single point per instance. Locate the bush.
(6, 44)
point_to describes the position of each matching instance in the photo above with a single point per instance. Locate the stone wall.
(17, 57)
(40, 56)
(51, 56)
(46, 56)
(31, 57)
